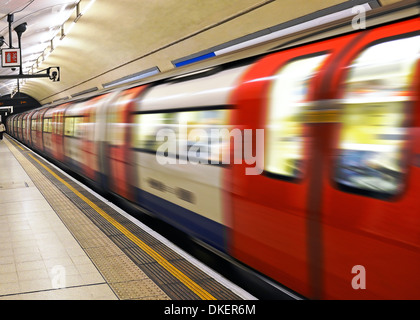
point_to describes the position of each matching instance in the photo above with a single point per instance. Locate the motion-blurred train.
(335, 212)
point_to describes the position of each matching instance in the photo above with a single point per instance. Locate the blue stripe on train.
(188, 221)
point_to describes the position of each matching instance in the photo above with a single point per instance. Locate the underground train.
(303, 163)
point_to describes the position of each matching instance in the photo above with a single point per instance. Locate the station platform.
(61, 241)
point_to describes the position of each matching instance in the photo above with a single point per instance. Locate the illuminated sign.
(10, 58)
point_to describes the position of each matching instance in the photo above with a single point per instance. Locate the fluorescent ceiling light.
(299, 27)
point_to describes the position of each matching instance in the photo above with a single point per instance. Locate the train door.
(15, 127)
(19, 127)
(39, 142)
(29, 125)
(120, 160)
(47, 132)
(269, 218)
(74, 120)
(89, 148)
(99, 137)
(371, 177)
(34, 136)
(24, 128)
(337, 200)
(58, 132)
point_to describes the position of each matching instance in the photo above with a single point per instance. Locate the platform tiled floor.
(36, 249)
(59, 241)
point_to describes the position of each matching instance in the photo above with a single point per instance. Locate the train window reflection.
(375, 117)
(289, 94)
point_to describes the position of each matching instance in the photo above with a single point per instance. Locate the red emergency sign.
(10, 57)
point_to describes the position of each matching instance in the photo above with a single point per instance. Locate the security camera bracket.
(53, 73)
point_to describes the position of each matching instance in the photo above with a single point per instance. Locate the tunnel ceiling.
(113, 39)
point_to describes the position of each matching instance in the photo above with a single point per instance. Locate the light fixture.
(20, 29)
(78, 13)
(62, 32)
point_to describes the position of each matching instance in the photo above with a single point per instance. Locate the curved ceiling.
(113, 39)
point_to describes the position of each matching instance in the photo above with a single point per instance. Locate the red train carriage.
(370, 181)
(339, 183)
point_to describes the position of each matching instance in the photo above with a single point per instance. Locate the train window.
(74, 126)
(203, 134)
(288, 96)
(198, 131)
(58, 123)
(69, 126)
(33, 124)
(375, 117)
(148, 127)
(47, 125)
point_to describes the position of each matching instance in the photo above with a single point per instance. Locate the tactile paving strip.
(124, 280)
(116, 268)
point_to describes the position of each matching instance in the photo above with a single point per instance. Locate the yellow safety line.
(14, 142)
(203, 294)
